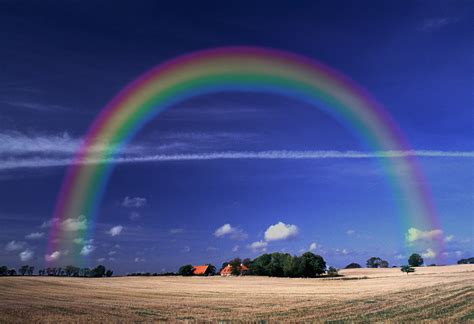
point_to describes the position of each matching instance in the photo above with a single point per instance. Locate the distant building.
(201, 270)
(227, 270)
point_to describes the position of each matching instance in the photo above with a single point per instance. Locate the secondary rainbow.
(233, 69)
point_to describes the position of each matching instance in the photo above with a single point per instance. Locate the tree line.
(308, 265)
(68, 271)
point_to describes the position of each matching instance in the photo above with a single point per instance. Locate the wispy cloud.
(41, 161)
(34, 236)
(432, 24)
(39, 107)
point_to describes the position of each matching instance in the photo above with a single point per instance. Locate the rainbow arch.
(235, 69)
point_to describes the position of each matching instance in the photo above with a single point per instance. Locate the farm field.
(445, 293)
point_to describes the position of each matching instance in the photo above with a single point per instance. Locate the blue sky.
(61, 63)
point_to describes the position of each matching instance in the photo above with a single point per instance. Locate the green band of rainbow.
(237, 69)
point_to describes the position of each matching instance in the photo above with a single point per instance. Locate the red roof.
(200, 269)
(228, 269)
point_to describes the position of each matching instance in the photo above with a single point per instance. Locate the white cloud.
(259, 246)
(14, 246)
(212, 249)
(53, 256)
(429, 254)
(400, 257)
(235, 248)
(176, 231)
(100, 259)
(186, 249)
(112, 252)
(137, 259)
(313, 246)
(281, 231)
(234, 233)
(116, 230)
(87, 249)
(415, 234)
(350, 232)
(458, 253)
(34, 236)
(75, 224)
(134, 202)
(26, 255)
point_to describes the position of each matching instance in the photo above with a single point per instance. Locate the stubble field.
(442, 293)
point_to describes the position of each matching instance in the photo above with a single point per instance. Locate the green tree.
(186, 270)
(374, 262)
(415, 260)
(98, 271)
(211, 270)
(312, 265)
(12, 272)
(3, 271)
(353, 266)
(30, 271)
(235, 264)
(23, 269)
(109, 273)
(466, 261)
(383, 264)
(407, 269)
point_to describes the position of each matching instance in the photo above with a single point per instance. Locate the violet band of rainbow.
(246, 69)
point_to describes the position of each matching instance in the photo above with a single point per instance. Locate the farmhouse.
(201, 270)
(227, 270)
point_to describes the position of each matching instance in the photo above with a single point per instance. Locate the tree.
(31, 270)
(466, 261)
(186, 270)
(23, 269)
(353, 266)
(374, 262)
(332, 272)
(407, 269)
(211, 270)
(98, 271)
(235, 264)
(3, 271)
(109, 273)
(12, 272)
(415, 260)
(312, 265)
(85, 272)
(383, 264)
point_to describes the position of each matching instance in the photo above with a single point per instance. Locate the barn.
(227, 270)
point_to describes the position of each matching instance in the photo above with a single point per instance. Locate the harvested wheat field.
(443, 293)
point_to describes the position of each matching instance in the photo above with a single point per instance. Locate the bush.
(407, 269)
(353, 265)
(332, 272)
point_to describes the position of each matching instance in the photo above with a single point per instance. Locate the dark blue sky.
(61, 61)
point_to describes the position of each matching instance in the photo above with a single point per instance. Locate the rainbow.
(234, 69)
